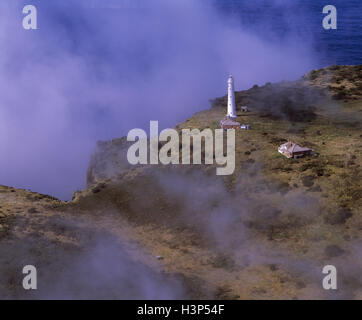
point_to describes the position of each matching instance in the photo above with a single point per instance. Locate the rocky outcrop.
(109, 160)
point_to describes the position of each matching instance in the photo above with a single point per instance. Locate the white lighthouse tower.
(231, 99)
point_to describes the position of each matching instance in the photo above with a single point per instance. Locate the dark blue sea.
(276, 19)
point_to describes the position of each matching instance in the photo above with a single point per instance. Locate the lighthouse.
(231, 98)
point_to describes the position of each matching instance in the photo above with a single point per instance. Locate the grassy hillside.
(264, 232)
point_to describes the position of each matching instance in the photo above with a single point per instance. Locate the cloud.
(91, 74)
(94, 265)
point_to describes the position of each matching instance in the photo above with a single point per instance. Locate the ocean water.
(277, 19)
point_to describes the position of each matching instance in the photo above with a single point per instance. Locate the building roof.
(292, 147)
(229, 122)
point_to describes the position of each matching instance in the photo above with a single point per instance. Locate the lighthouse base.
(231, 117)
